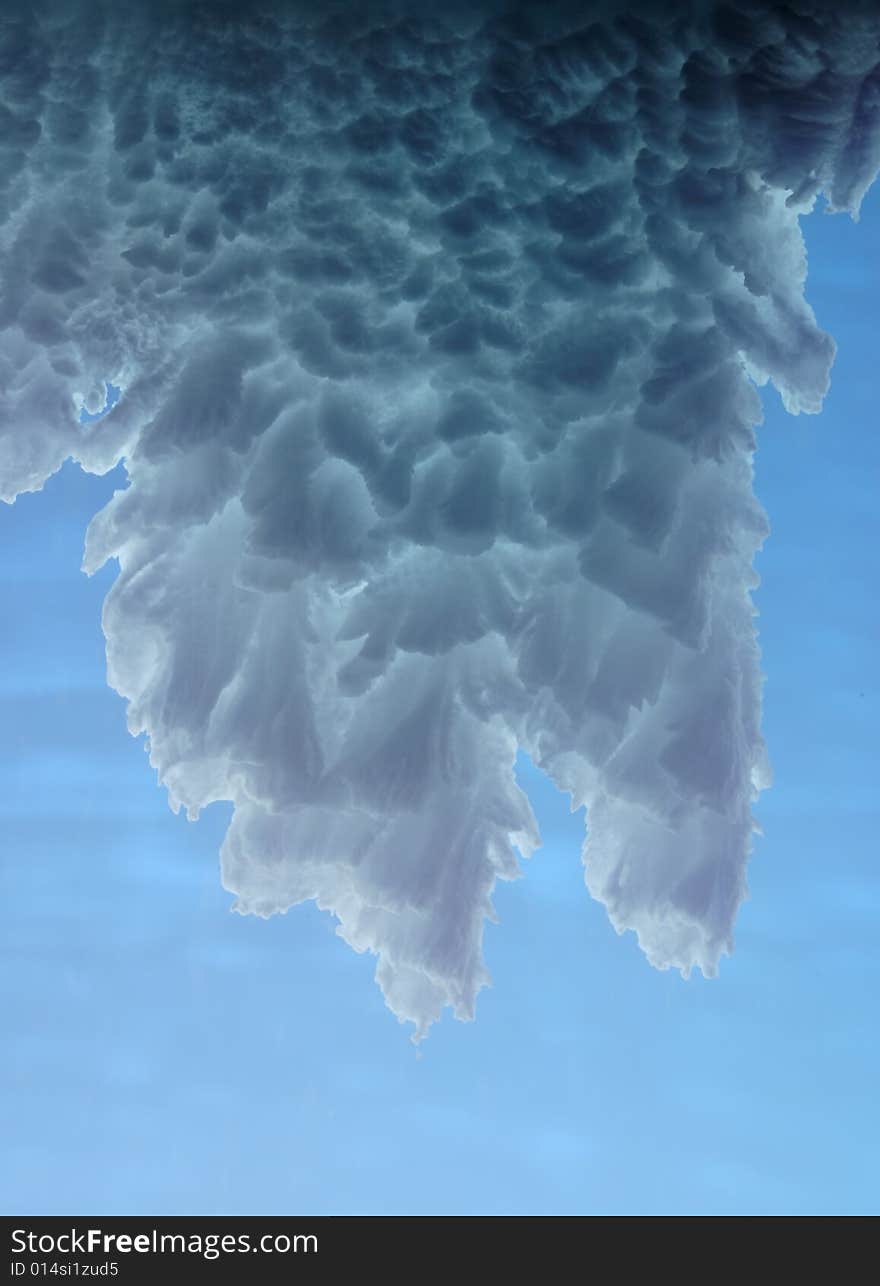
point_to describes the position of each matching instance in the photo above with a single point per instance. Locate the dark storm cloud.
(436, 338)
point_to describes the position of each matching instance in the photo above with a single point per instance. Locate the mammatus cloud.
(435, 330)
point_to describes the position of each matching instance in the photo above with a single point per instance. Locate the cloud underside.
(437, 337)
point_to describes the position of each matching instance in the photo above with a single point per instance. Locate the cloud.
(435, 339)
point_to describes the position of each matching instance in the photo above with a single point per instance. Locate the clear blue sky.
(164, 1056)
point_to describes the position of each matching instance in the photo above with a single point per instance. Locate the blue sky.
(165, 1056)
